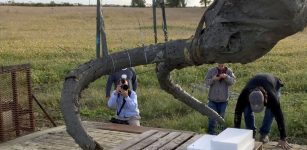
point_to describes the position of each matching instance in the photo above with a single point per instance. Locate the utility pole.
(98, 29)
(101, 39)
(154, 5)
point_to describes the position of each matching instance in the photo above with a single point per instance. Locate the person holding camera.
(125, 102)
(262, 91)
(126, 73)
(219, 79)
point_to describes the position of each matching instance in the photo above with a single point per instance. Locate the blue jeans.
(220, 108)
(250, 120)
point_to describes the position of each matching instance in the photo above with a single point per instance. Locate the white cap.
(124, 76)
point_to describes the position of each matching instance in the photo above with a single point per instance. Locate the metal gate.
(16, 103)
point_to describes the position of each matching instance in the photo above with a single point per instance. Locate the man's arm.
(230, 77)
(109, 85)
(275, 107)
(131, 101)
(241, 103)
(112, 100)
(134, 80)
(210, 77)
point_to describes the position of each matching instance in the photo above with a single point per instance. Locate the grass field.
(57, 40)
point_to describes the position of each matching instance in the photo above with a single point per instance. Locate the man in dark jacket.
(261, 91)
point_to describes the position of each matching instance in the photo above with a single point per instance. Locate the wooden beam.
(188, 142)
(161, 142)
(177, 141)
(148, 141)
(136, 140)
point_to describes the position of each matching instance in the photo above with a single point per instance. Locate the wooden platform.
(163, 140)
(113, 136)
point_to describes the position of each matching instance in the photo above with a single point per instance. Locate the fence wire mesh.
(16, 105)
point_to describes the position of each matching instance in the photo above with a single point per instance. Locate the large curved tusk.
(163, 74)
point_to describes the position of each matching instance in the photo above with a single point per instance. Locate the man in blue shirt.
(125, 102)
(127, 73)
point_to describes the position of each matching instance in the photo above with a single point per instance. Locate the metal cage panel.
(16, 104)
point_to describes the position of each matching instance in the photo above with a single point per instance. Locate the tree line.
(134, 3)
(169, 3)
(51, 4)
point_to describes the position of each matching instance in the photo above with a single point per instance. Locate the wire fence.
(16, 111)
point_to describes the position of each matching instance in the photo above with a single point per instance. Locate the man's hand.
(223, 76)
(216, 77)
(124, 93)
(118, 89)
(284, 144)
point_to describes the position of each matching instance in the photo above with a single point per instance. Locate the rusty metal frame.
(14, 104)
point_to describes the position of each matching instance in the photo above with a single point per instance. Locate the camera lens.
(124, 87)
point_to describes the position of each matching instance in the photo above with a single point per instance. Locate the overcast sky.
(121, 2)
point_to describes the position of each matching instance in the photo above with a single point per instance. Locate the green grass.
(57, 40)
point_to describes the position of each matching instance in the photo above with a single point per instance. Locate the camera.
(124, 87)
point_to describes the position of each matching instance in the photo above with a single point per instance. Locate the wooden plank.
(136, 140)
(31, 136)
(57, 144)
(163, 141)
(124, 128)
(148, 141)
(93, 125)
(177, 141)
(190, 141)
(53, 145)
(29, 145)
(258, 146)
(59, 140)
(273, 146)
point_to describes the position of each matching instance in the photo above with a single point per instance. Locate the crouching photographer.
(125, 102)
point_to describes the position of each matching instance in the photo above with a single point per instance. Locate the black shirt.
(271, 85)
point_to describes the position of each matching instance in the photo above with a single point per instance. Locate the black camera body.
(124, 87)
